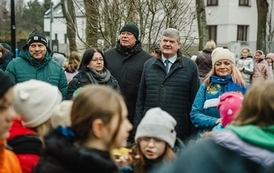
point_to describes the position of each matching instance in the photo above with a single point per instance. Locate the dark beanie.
(5, 83)
(6, 46)
(131, 28)
(36, 36)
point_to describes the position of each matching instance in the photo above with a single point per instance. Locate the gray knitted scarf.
(98, 78)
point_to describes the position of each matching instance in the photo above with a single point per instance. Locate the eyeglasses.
(147, 140)
(98, 59)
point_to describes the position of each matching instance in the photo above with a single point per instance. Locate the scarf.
(227, 80)
(98, 78)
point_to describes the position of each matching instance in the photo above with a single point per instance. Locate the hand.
(218, 121)
(127, 159)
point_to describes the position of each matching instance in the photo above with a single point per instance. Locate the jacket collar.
(78, 158)
(129, 51)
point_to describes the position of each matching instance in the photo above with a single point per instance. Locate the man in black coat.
(169, 82)
(125, 62)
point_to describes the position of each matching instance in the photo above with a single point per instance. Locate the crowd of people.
(125, 110)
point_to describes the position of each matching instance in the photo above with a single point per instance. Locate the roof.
(57, 11)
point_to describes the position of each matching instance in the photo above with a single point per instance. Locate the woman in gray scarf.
(93, 70)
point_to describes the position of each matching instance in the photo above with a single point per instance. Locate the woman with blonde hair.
(246, 146)
(223, 77)
(71, 68)
(99, 123)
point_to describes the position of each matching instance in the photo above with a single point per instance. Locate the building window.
(212, 32)
(212, 2)
(244, 3)
(242, 33)
(65, 38)
(56, 36)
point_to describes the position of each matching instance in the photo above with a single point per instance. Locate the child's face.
(125, 127)
(269, 60)
(152, 148)
(6, 115)
(245, 53)
(257, 56)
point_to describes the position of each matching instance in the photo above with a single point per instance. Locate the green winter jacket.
(258, 136)
(25, 67)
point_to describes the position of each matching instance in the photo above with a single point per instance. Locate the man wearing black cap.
(34, 62)
(125, 62)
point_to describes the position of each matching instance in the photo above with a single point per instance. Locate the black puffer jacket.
(60, 156)
(126, 65)
(81, 79)
(204, 62)
(173, 93)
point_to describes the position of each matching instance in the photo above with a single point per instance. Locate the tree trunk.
(202, 25)
(70, 21)
(262, 10)
(92, 16)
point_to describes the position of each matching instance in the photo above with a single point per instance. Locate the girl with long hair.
(156, 143)
(98, 124)
(71, 68)
(261, 70)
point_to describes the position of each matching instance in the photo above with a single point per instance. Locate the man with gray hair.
(169, 82)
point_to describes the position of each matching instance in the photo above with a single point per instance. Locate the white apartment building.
(232, 23)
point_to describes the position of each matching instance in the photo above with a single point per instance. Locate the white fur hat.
(34, 101)
(159, 124)
(61, 114)
(222, 54)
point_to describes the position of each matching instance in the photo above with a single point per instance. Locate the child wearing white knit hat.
(156, 142)
(33, 101)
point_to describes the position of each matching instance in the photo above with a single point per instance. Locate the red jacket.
(26, 145)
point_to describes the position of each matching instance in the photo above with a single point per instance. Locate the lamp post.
(51, 21)
(12, 27)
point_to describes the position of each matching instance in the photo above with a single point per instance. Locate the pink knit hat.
(262, 53)
(271, 56)
(229, 105)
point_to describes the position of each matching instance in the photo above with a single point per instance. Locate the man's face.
(169, 46)
(127, 39)
(37, 50)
